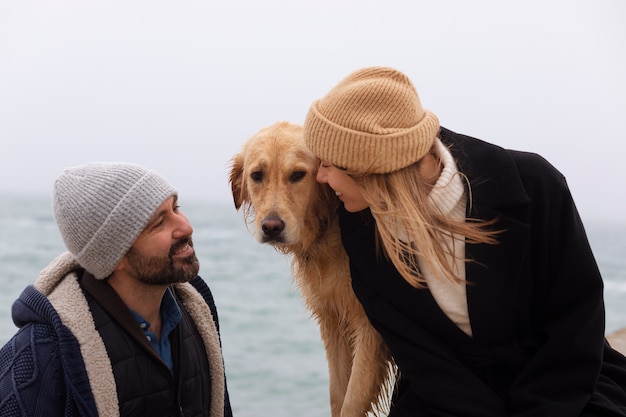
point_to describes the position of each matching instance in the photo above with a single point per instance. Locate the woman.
(469, 259)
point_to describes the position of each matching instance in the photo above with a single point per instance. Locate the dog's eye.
(297, 176)
(257, 176)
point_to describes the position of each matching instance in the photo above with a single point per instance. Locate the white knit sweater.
(449, 196)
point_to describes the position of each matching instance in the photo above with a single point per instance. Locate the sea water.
(274, 358)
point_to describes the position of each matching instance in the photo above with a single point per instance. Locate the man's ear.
(122, 265)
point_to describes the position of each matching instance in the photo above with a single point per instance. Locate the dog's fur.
(273, 179)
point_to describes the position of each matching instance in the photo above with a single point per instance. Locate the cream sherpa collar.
(59, 282)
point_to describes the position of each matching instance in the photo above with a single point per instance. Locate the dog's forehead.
(279, 150)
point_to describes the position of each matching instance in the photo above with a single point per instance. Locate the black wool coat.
(535, 303)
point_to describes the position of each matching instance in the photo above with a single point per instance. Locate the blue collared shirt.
(170, 315)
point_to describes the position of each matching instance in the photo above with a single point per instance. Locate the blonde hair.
(410, 228)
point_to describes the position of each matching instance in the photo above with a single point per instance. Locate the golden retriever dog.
(273, 179)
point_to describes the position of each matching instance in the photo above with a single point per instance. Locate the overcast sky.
(178, 86)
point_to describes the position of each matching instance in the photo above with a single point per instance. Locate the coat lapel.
(494, 271)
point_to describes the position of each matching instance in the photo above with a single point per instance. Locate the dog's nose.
(272, 226)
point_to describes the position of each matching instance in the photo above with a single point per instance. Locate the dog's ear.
(236, 180)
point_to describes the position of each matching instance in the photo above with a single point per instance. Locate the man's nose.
(183, 227)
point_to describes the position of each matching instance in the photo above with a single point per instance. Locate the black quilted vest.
(145, 385)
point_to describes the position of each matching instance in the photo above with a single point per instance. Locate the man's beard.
(164, 270)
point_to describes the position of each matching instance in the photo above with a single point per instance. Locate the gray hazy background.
(178, 86)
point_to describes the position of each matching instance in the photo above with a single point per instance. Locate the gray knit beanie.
(101, 208)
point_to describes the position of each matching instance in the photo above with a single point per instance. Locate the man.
(121, 324)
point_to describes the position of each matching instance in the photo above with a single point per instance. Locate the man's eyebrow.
(160, 212)
(155, 216)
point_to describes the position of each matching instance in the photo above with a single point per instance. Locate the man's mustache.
(179, 244)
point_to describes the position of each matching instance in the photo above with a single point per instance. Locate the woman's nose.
(321, 176)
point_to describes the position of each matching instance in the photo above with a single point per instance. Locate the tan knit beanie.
(372, 122)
